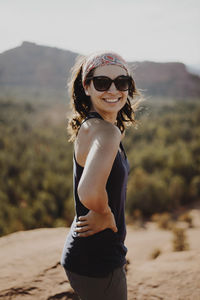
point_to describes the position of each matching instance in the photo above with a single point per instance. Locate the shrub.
(165, 221)
(147, 193)
(156, 252)
(177, 191)
(137, 218)
(180, 240)
(195, 188)
(186, 218)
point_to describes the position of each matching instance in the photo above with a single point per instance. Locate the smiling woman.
(102, 90)
(83, 79)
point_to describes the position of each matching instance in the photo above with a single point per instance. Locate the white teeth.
(111, 100)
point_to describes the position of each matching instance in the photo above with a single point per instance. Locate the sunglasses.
(103, 83)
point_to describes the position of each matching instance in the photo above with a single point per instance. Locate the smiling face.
(110, 102)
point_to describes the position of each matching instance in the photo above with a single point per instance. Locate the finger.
(82, 218)
(85, 234)
(82, 229)
(115, 229)
(81, 223)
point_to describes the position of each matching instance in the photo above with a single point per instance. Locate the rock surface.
(30, 268)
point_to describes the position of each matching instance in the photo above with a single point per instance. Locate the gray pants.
(111, 287)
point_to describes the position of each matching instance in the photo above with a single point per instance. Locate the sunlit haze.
(138, 29)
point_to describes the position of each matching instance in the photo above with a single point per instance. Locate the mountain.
(35, 65)
(167, 79)
(35, 71)
(31, 67)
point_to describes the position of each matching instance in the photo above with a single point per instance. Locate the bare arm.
(103, 149)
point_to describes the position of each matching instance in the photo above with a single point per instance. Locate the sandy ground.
(30, 269)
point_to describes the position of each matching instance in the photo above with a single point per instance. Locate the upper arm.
(103, 150)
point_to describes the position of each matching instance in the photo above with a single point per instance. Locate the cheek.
(92, 92)
(95, 97)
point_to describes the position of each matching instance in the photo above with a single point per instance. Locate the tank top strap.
(123, 150)
(92, 114)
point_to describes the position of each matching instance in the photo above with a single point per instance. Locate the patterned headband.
(102, 59)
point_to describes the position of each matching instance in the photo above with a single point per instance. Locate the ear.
(86, 90)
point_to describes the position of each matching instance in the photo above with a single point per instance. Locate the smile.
(111, 100)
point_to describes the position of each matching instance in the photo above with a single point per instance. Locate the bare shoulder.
(96, 132)
(94, 128)
(104, 132)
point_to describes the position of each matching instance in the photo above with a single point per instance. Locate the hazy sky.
(158, 30)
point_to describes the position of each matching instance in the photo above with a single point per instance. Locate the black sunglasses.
(103, 83)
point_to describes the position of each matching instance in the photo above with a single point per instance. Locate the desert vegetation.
(180, 239)
(36, 164)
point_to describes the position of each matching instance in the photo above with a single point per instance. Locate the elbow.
(84, 199)
(84, 195)
(92, 199)
(87, 196)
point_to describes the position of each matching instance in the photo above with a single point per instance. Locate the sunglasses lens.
(101, 83)
(122, 83)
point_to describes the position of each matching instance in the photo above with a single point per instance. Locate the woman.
(94, 253)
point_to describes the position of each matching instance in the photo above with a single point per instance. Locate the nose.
(112, 88)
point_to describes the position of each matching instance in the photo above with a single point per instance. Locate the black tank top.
(99, 254)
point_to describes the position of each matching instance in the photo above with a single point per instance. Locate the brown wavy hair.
(80, 103)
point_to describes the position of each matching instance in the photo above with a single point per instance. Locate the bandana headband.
(102, 59)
